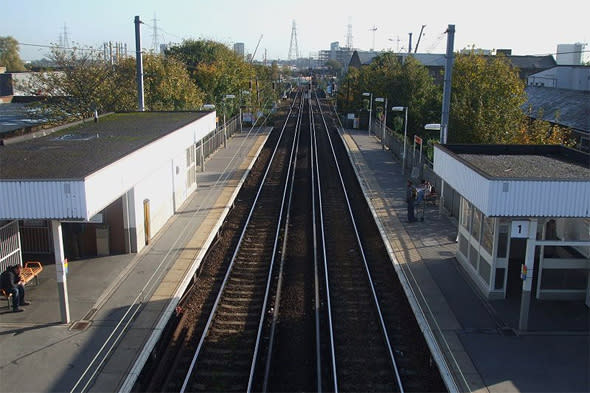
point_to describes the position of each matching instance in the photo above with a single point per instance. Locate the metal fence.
(417, 166)
(10, 251)
(215, 139)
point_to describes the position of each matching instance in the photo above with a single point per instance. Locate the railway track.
(307, 299)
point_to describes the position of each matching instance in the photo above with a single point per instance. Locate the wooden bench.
(31, 271)
(28, 272)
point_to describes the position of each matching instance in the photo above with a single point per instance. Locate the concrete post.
(60, 270)
(139, 65)
(444, 123)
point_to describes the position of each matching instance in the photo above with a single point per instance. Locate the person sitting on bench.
(12, 283)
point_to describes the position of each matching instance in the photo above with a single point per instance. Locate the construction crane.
(255, 49)
(419, 36)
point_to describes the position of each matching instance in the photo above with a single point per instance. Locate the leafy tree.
(167, 85)
(486, 100)
(403, 84)
(334, 67)
(9, 56)
(216, 69)
(82, 84)
(541, 132)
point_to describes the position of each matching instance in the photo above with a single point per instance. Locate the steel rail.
(277, 303)
(369, 277)
(226, 277)
(322, 232)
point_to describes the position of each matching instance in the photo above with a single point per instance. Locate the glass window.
(463, 244)
(487, 234)
(465, 214)
(502, 240)
(476, 224)
(473, 255)
(564, 279)
(499, 280)
(484, 269)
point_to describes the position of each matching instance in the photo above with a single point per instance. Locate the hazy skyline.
(526, 27)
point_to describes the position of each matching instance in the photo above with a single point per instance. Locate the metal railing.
(10, 251)
(417, 166)
(215, 139)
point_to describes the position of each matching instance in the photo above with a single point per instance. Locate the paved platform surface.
(118, 303)
(478, 339)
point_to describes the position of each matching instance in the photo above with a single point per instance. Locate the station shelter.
(97, 188)
(524, 222)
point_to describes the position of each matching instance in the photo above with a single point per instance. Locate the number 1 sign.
(520, 228)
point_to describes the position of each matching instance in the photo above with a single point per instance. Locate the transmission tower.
(293, 49)
(155, 43)
(64, 40)
(349, 34)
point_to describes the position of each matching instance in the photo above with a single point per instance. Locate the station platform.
(119, 303)
(478, 340)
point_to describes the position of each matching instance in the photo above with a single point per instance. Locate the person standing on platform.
(410, 198)
(11, 282)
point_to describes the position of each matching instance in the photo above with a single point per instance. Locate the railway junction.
(475, 342)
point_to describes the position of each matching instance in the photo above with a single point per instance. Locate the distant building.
(570, 54)
(239, 48)
(561, 95)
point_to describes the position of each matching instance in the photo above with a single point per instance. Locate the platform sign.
(520, 229)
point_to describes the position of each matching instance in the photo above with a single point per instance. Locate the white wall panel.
(467, 182)
(42, 200)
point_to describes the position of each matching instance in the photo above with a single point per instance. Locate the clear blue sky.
(525, 26)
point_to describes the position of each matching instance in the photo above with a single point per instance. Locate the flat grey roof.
(530, 162)
(78, 151)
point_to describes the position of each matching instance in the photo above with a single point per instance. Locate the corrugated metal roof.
(570, 108)
(76, 152)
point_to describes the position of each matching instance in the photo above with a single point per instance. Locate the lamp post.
(384, 100)
(370, 95)
(403, 109)
(226, 97)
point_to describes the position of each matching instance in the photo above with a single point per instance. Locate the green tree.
(84, 82)
(334, 67)
(81, 83)
(167, 85)
(406, 83)
(9, 56)
(486, 100)
(216, 69)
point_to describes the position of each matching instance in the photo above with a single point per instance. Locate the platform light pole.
(403, 109)
(384, 100)
(370, 95)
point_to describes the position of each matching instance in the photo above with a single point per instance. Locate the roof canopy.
(518, 180)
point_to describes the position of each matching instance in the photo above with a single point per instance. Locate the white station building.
(524, 223)
(98, 188)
